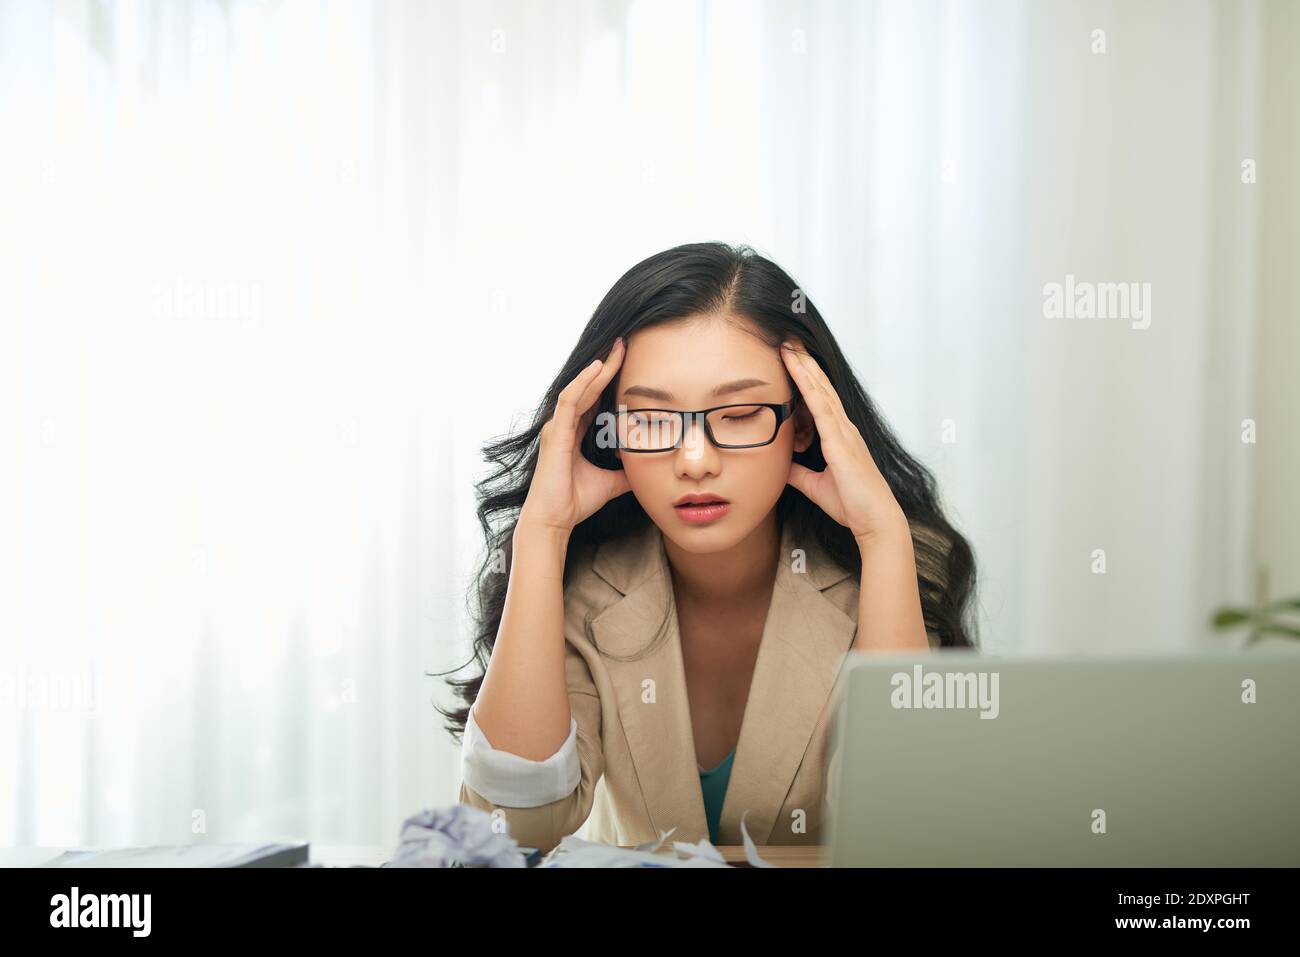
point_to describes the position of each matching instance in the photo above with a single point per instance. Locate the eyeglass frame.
(783, 410)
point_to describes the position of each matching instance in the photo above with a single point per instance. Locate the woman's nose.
(696, 455)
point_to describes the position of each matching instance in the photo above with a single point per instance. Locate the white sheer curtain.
(276, 271)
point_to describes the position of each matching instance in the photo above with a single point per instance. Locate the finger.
(801, 478)
(826, 415)
(613, 362)
(618, 482)
(573, 399)
(565, 415)
(819, 375)
(799, 362)
(840, 428)
(608, 370)
(820, 380)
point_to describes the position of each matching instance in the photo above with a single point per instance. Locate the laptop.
(962, 759)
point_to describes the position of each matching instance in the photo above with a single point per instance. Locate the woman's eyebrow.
(724, 389)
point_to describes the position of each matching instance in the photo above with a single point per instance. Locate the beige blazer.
(634, 738)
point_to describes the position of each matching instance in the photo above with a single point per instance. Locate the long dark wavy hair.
(689, 280)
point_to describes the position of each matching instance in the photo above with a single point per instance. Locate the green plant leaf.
(1278, 629)
(1227, 617)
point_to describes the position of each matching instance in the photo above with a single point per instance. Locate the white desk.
(360, 855)
(333, 855)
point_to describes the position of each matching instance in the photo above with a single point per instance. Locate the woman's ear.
(805, 430)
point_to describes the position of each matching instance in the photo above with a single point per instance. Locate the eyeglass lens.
(649, 430)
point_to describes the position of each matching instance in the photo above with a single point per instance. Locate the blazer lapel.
(805, 639)
(650, 687)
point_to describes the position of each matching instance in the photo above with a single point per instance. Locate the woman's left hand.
(851, 489)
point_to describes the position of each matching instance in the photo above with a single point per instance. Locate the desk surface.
(778, 855)
(340, 855)
(781, 855)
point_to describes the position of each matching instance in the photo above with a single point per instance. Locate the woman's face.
(698, 363)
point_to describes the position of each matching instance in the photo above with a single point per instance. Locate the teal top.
(714, 785)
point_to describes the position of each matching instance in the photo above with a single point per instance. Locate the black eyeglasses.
(742, 426)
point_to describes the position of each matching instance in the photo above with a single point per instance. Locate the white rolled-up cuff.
(509, 780)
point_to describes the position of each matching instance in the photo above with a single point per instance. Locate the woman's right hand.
(566, 487)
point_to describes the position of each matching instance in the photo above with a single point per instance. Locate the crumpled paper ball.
(455, 834)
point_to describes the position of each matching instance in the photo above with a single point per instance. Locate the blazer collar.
(804, 642)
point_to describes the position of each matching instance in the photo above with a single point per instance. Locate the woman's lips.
(707, 512)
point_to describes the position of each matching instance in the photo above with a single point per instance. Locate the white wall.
(251, 520)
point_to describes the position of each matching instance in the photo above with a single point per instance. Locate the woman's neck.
(741, 574)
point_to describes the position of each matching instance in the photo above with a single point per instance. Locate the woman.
(682, 655)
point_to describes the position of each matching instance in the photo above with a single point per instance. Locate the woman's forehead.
(692, 359)
(729, 347)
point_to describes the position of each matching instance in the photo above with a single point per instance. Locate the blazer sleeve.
(542, 801)
(509, 780)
